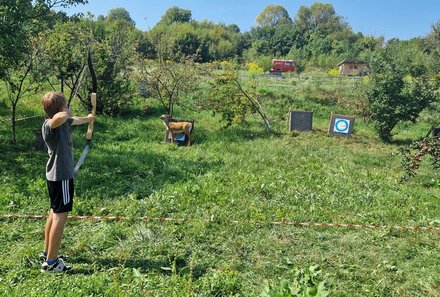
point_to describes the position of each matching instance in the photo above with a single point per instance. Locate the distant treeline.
(79, 54)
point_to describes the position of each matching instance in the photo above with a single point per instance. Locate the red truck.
(282, 66)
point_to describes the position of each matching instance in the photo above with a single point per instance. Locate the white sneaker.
(56, 267)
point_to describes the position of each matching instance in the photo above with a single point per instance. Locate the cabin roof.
(351, 61)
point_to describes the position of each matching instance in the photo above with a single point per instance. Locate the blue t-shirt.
(60, 149)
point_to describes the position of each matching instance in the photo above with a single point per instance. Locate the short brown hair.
(53, 102)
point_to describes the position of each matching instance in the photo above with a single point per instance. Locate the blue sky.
(401, 19)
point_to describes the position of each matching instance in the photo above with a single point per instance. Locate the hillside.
(229, 188)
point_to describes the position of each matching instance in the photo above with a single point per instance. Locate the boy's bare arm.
(59, 118)
(83, 120)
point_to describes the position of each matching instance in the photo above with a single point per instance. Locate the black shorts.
(61, 195)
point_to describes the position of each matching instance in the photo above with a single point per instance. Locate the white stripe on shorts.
(66, 193)
(63, 187)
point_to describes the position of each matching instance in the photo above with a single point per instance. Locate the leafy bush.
(304, 282)
(228, 97)
(334, 72)
(265, 62)
(413, 154)
(398, 92)
(254, 69)
(225, 98)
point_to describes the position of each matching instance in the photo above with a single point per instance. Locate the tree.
(20, 80)
(14, 43)
(398, 92)
(185, 44)
(145, 47)
(176, 36)
(111, 52)
(233, 28)
(318, 22)
(319, 17)
(169, 81)
(20, 22)
(120, 14)
(324, 35)
(433, 47)
(20, 19)
(66, 48)
(273, 15)
(283, 39)
(228, 97)
(206, 40)
(301, 57)
(273, 40)
(221, 43)
(175, 15)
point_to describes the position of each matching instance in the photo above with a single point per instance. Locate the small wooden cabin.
(352, 67)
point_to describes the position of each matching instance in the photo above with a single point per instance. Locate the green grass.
(239, 173)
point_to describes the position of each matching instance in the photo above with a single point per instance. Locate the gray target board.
(341, 125)
(143, 88)
(300, 120)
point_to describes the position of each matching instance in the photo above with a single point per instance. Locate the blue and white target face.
(341, 126)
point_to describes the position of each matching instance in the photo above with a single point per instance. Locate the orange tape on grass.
(233, 222)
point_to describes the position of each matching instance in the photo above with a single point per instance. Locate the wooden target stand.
(340, 125)
(300, 120)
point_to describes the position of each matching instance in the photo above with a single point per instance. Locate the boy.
(59, 174)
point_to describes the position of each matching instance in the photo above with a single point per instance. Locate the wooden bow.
(93, 101)
(88, 136)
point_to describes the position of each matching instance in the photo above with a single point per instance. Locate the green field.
(241, 173)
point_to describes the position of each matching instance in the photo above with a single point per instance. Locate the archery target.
(341, 126)
(300, 120)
